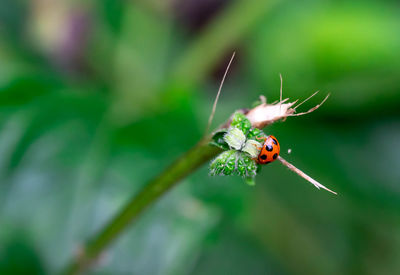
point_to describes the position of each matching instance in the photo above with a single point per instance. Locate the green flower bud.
(224, 163)
(241, 122)
(233, 162)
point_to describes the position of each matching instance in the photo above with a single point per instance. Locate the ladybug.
(270, 150)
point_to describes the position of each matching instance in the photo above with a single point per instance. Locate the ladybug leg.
(263, 139)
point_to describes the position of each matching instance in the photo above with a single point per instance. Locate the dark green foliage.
(218, 139)
(19, 256)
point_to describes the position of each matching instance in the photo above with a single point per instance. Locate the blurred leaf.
(348, 49)
(18, 256)
(63, 107)
(25, 88)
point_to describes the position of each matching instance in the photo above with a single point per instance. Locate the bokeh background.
(98, 97)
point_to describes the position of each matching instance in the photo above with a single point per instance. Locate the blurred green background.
(98, 97)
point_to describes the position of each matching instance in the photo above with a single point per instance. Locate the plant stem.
(187, 163)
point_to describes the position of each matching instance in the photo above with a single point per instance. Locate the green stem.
(190, 161)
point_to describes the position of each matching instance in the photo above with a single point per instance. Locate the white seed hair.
(235, 138)
(252, 148)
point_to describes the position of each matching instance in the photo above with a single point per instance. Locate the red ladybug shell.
(269, 151)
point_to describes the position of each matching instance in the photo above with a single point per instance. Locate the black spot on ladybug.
(264, 157)
(274, 140)
(275, 156)
(269, 148)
